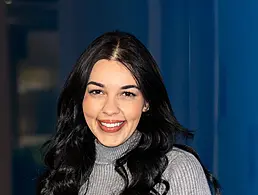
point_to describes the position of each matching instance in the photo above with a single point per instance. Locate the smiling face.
(113, 103)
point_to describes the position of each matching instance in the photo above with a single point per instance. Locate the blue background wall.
(238, 113)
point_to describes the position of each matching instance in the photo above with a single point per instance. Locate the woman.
(116, 131)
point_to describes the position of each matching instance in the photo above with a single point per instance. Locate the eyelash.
(129, 94)
(95, 92)
(125, 93)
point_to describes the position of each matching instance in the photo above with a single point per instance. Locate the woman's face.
(112, 103)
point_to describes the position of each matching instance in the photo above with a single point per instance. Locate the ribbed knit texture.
(184, 172)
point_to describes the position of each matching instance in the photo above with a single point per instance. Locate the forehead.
(111, 72)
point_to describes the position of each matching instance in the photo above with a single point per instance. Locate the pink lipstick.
(111, 126)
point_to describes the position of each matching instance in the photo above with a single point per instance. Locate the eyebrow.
(95, 83)
(102, 85)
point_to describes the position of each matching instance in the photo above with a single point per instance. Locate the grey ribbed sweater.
(184, 172)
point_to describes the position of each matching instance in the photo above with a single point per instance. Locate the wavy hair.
(70, 153)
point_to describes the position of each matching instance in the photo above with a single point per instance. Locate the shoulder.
(178, 158)
(185, 174)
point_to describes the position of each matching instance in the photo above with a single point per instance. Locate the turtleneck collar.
(108, 155)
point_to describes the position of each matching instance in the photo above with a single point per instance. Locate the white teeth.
(111, 124)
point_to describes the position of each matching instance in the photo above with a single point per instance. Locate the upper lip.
(111, 121)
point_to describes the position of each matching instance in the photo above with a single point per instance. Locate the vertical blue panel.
(238, 113)
(174, 57)
(201, 77)
(188, 67)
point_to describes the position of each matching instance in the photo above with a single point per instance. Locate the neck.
(108, 155)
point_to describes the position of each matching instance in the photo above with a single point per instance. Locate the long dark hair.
(70, 154)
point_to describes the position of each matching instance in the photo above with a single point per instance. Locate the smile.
(111, 126)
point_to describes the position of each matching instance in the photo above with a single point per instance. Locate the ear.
(146, 107)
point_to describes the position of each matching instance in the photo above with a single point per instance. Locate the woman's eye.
(96, 92)
(129, 94)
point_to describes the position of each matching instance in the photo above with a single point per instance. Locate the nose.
(110, 107)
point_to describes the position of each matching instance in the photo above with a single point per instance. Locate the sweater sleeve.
(186, 176)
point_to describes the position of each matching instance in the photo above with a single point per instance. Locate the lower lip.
(111, 129)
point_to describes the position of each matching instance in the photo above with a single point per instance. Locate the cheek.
(132, 112)
(90, 109)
